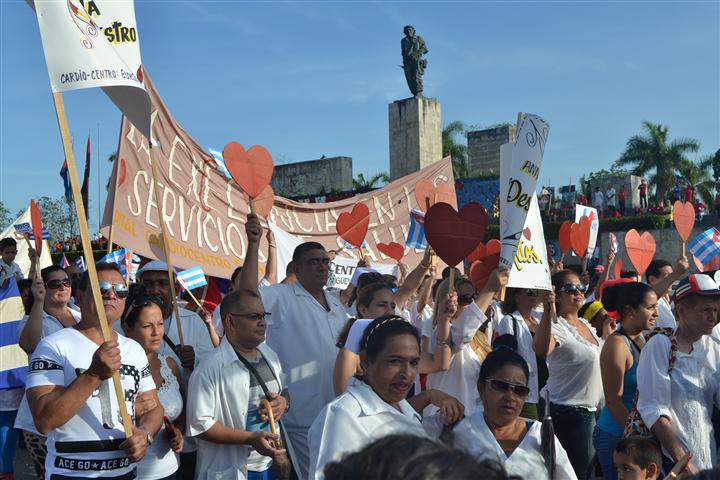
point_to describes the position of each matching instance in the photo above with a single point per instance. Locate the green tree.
(652, 152)
(698, 175)
(361, 184)
(58, 217)
(457, 151)
(5, 218)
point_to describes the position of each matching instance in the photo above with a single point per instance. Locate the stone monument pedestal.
(415, 135)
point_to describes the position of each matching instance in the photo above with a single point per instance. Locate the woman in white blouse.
(498, 432)
(520, 323)
(376, 406)
(572, 350)
(142, 321)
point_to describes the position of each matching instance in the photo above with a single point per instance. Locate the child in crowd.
(637, 458)
(8, 267)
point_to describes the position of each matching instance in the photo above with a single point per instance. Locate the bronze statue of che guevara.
(413, 48)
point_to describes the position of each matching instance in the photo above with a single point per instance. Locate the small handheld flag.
(24, 229)
(80, 263)
(64, 262)
(416, 235)
(706, 245)
(192, 278)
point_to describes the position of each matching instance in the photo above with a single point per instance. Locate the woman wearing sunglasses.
(142, 321)
(376, 406)
(572, 350)
(497, 432)
(373, 301)
(49, 313)
(520, 322)
(636, 303)
(468, 340)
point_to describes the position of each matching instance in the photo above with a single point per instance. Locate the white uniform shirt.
(50, 325)
(526, 461)
(598, 202)
(665, 319)
(460, 379)
(525, 348)
(303, 334)
(611, 197)
(685, 396)
(352, 421)
(12, 270)
(58, 360)
(574, 367)
(218, 392)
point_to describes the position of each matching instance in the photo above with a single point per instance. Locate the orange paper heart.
(393, 250)
(483, 250)
(36, 221)
(618, 268)
(684, 218)
(564, 236)
(640, 249)
(427, 194)
(353, 226)
(251, 169)
(264, 202)
(480, 270)
(580, 236)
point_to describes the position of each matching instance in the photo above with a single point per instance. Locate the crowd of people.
(419, 377)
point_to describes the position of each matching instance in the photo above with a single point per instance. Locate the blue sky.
(307, 79)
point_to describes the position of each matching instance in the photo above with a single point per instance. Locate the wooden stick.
(110, 240)
(194, 298)
(166, 247)
(679, 467)
(683, 248)
(252, 205)
(271, 420)
(451, 280)
(87, 250)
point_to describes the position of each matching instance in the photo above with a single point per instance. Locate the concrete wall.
(484, 148)
(415, 128)
(313, 176)
(631, 183)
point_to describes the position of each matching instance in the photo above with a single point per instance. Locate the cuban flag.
(80, 263)
(706, 245)
(66, 181)
(192, 278)
(25, 229)
(64, 262)
(416, 234)
(13, 360)
(219, 161)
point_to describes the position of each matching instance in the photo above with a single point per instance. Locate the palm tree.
(698, 175)
(361, 184)
(457, 151)
(652, 151)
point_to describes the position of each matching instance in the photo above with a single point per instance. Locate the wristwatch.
(149, 436)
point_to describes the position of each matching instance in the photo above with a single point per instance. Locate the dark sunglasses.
(466, 299)
(139, 301)
(55, 284)
(573, 288)
(121, 290)
(502, 386)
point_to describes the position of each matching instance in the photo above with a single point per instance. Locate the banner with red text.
(205, 211)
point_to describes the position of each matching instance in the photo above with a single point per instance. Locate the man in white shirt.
(598, 200)
(661, 275)
(611, 198)
(197, 344)
(224, 408)
(304, 326)
(72, 399)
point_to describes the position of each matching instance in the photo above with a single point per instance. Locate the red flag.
(86, 179)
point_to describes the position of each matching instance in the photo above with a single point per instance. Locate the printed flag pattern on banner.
(416, 234)
(13, 360)
(118, 258)
(219, 161)
(192, 278)
(706, 245)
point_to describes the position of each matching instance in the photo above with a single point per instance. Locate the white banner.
(519, 170)
(530, 268)
(95, 44)
(583, 211)
(22, 258)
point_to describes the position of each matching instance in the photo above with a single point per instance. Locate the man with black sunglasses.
(71, 396)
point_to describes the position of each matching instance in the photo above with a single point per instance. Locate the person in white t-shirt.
(611, 196)
(71, 393)
(598, 200)
(661, 275)
(304, 326)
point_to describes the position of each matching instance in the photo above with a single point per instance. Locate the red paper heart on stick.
(480, 270)
(580, 236)
(454, 235)
(483, 250)
(393, 250)
(265, 202)
(353, 226)
(427, 194)
(564, 236)
(684, 218)
(251, 169)
(640, 249)
(618, 268)
(36, 222)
